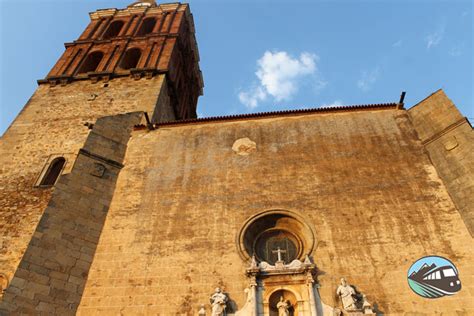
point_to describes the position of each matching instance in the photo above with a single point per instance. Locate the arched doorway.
(285, 296)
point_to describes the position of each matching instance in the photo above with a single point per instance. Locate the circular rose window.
(275, 233)
(270, 242)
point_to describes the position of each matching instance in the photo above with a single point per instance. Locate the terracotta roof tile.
(344, 108)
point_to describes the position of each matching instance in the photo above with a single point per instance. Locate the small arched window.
(91, 63)
(113, 30)
(131, 58)
(147, 26)
(53, 172)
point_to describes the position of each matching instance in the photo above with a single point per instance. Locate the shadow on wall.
(231, 307)
(3, 283)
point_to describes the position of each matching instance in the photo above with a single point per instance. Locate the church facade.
(116, 199)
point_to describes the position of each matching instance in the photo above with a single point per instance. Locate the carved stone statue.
(283, 307)
(253, 263)
(347, 293)
(218, 302)
(202, 311)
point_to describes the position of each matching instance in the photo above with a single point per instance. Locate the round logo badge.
(434, 277)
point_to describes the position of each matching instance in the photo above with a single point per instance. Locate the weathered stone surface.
(449, 140)
(363, 179)
(46, 288)
(55, 121)
(52, 124)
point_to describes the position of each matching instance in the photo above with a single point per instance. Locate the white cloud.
(277, 72)
(252, 97)
(279, 76)
(368, 79)
(334, 104)
(457, 50)
(433, 39)
(319, 85)
(200, 113)
(397, 43)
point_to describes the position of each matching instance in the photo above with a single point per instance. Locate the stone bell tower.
(141, 58)
(145, 40)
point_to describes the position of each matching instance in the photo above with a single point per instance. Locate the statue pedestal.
(358, 313)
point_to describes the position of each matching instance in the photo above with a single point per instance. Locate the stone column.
(312, 300)
(253, 292)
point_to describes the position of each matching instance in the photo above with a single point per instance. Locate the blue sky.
(273, 55)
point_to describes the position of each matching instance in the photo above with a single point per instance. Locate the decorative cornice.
(110, 162)
(122, 38)
(135, 73)
(449, 128)
(103, 13)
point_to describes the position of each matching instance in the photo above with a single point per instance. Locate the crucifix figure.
(279, 252)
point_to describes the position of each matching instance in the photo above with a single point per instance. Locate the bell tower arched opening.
(113, 30)
(91, 62)
(147, 26)
(131, 58)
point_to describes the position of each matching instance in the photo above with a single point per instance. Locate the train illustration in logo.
(434, 277)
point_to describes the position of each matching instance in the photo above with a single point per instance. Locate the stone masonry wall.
(52, 124)
(449, 139)
(51, 276)
(362, 178)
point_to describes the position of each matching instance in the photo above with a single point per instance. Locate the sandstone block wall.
(80, 90)
(52, 124)
(363, 180)
(449, 140)
(51, 276)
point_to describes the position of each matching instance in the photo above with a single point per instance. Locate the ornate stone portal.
(283, 289)
(289, 290)
(282, 280)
